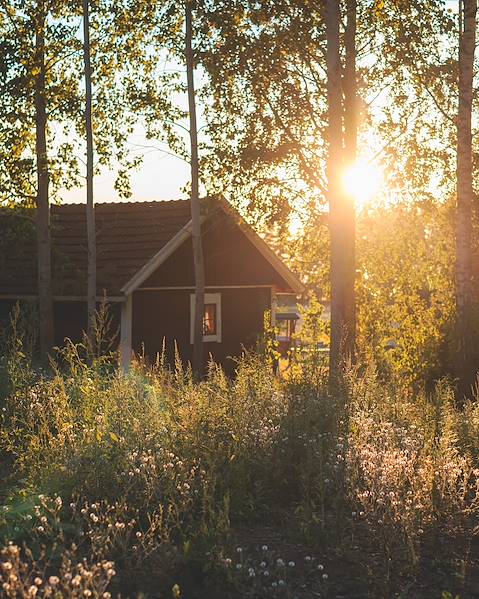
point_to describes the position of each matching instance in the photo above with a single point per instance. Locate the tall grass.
(159, 475)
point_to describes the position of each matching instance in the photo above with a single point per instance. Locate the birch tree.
(90, 208)
(195, 199)
(336, 197)
(45, 294)
(351, 114)
(466, 365)
(342, 148)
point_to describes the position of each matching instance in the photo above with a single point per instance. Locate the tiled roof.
(128, 235)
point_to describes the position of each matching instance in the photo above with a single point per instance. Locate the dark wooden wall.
(230, 259)
(159, 315)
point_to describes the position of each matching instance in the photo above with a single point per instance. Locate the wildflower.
(266, 573)
(32, 591)
(58, 502)
(7, 566)
(40, 529)
(239, 549)
(76, 581)
(138, 535)
(228, 561)
(291, 564)
(239, 566)
(264, 547)
(320, 567)
(53, 580)
(251, 572)
(94, 517)
(274, 584)
(325, 576)
(263, 564)
(87, 593)
(307, 558)
(38, 581)
(281, 583)
(279, 562)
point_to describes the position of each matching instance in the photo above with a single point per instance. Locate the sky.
(160, 177)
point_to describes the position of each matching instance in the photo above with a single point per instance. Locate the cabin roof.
(128, 235)
(131, 237)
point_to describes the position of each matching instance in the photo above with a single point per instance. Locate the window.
(211, 317)
(209, 320)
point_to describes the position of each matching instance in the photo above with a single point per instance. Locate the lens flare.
(362, 181)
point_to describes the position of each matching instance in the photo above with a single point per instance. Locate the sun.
(362, 181)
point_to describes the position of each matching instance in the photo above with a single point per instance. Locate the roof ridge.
(122, 203)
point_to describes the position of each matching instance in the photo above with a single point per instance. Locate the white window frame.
(210, 298)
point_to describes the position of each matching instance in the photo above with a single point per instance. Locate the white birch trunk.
(195, 200)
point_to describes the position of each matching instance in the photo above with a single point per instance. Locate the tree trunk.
(465, 364)
(90, 208)
(335, 195)
(45, 297)
(351, 142)
(195, 202)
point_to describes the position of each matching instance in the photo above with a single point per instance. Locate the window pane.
(209, 320)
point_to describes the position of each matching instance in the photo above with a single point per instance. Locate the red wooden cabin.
(145, 271)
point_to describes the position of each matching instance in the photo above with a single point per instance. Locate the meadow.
(148, 484)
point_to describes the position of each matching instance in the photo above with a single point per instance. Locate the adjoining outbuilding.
(145, 272)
